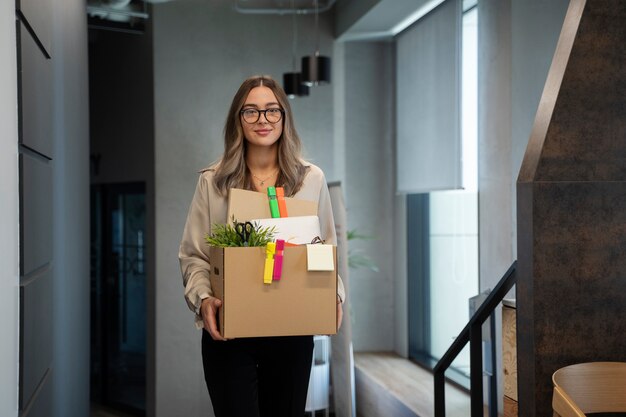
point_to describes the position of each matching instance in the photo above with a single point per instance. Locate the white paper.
(298, 230)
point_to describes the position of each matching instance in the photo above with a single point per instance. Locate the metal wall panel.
(571, 208)
(35, 90)
(41, 405)
(36, 324)
(36, 112)
(36, 215)
(38, 14)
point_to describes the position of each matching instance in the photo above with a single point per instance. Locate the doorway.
(118, 296)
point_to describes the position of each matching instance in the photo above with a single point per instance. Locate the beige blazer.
(208, 208)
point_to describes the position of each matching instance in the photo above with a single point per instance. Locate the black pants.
(258, 377)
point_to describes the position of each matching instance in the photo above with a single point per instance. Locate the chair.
(593, 387)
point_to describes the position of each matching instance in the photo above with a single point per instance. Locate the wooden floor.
(387, 384)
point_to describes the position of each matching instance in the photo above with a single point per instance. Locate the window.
(442, 238)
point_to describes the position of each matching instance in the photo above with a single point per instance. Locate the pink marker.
(278, 259)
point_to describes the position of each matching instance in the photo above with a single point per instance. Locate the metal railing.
(472, 333)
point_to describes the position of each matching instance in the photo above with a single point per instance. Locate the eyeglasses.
(253, 115)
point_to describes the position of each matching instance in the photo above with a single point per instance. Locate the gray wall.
(53, 214)
(516, 45)
(496, 197)
(369, 187)
(9, 273)
(202, 52)
(535, 27)
(71, 211)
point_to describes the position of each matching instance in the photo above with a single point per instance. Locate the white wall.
(202, 52)
(71, 211)
(9, 214)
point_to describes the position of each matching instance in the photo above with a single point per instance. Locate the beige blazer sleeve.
(193, 252)
(327, 221)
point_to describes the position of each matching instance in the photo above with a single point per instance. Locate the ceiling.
(282, 6)
(384, 19)
(128, 15)
(354, 19)
(117, 15)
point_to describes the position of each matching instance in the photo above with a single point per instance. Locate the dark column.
(571, 293)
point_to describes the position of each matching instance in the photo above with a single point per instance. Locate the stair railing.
(472, 334)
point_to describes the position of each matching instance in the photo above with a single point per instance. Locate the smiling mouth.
(263, 131)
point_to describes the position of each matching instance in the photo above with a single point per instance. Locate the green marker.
(271, 193)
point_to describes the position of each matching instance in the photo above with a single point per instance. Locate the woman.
(248, 377)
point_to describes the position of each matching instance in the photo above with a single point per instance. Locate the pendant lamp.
(292, 81)
(316, 68)
(292, 84)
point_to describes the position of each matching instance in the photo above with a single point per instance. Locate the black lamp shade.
(315, 70)
(292, 84)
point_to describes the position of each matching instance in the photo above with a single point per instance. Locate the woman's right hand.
(208, 309)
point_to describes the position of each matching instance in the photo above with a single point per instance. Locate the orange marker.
(282, 204)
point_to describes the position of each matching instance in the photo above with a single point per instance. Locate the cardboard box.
(509, 350)
(301, 303)
(244, 205)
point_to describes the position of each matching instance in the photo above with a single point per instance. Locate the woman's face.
(262, 132)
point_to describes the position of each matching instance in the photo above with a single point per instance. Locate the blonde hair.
(232, 171)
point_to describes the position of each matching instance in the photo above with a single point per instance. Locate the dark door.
(118, 296)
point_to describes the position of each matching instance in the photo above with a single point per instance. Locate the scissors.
(244, 230)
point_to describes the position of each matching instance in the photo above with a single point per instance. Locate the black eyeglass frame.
(242, 111)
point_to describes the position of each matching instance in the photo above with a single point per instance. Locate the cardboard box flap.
(244, 205)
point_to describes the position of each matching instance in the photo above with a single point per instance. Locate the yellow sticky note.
(320, 258)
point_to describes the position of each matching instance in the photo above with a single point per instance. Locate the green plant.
(356, 259)
(225, 235)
